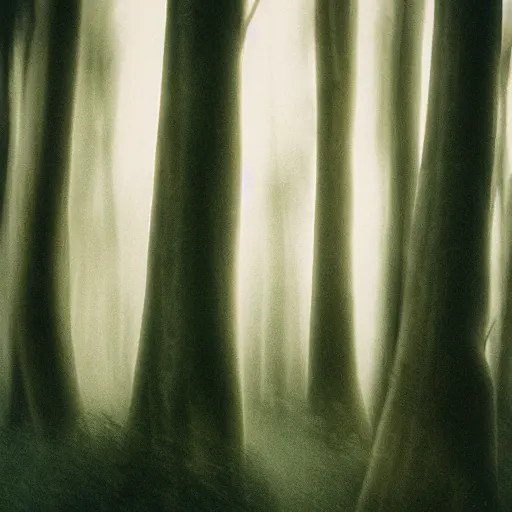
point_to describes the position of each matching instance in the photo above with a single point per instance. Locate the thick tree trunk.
(401, 78)
(333, 391)
(41, 337)
(186, 388)
(435, 445)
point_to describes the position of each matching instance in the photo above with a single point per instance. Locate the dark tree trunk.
(41, 337)
(401, 121)
(435, 445)
(186, 388)
(333, 391)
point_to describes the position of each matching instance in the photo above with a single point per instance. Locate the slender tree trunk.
(253, 364)
(12, 15)
(295, 367)
(504, 374)
(401, 121)
(41, 337)
(95, 247)
(503, 360)
(435, 445)
(16, 18)
(186, 386)
(7, 29)
(500, 205)
(274, 389)
(334, 392)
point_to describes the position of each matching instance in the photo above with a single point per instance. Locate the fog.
(278, 111)
(111, 185)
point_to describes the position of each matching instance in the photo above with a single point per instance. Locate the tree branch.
(249, 18)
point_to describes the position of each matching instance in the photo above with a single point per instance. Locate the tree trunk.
(16, 18)
(274, 373)
(295, 367)
(504, 370)
(186, 389)
(401, 122)
(253, 340)
(499, 208)
(41, 337)
(435, 445)
(333, 391)
(104, 369)
(7, 29)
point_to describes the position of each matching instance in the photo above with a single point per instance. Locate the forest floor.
(290, 468)
(305, 472)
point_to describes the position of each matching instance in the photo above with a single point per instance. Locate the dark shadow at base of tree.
(92, 470)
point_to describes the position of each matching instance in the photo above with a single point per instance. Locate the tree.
(13, 15)
(504, 366)
(274, 367)
(94, 244)
(6, 45)
(8, 24)
(44, 390)
(186, 389)
(400, 122)
(435, 445)
(333, 392)
(499, 199)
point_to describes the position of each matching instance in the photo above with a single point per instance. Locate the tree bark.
(42, 337)
(400, 98)
(435, 445)
(333, 390)
(186, 389)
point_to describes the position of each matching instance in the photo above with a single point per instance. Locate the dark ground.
(305, 471)
(289, 468)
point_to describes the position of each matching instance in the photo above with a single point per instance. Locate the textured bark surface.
(435, 445)
(186, 385)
